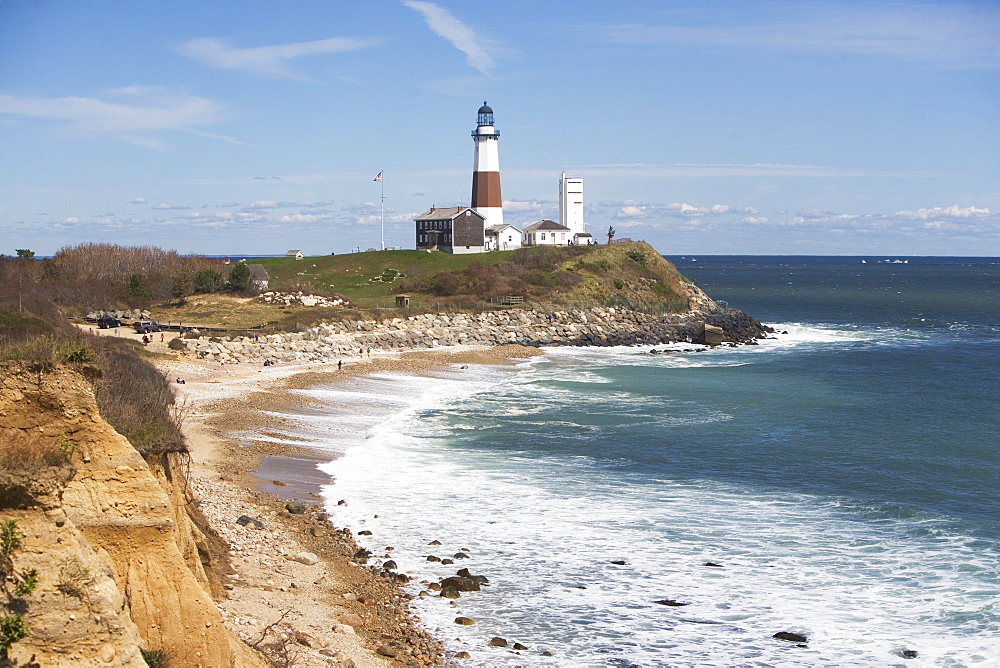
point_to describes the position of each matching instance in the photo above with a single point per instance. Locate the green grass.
(351, 275)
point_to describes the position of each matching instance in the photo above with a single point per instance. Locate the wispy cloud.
(268, 61)
(444, 24)
(955, 35)
(128, 114)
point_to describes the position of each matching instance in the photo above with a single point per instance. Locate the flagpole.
(382, 210)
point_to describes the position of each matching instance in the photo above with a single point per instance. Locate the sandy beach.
(292, 581)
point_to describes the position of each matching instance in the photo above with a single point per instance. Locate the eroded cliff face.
(119, 562)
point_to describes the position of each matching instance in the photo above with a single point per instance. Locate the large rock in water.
(460, 583)
(737, 326)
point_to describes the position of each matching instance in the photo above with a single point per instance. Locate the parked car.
(107, 322)
(146, 326)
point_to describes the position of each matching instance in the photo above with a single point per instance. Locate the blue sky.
(253, 127)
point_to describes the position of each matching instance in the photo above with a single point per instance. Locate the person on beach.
(162, 336)
(145, 340)
(369, 352)
(340, 364)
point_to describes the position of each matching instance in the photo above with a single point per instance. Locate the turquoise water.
(843, 477)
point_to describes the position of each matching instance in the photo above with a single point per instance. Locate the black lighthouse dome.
(485, 115)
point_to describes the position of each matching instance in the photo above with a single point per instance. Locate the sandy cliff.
(119, 561)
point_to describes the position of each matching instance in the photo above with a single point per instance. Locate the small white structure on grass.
(546, 233)
(502, 237)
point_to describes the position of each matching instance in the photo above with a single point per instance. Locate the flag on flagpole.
(378, 177)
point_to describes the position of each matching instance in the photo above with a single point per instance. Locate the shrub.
(155, 658)
(239, 277)
(208, 280)
(137, 400)
(31, 451)
(12, 629)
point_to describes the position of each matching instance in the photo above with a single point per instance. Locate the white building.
(546, 233)
(571, 208)
(502, 237)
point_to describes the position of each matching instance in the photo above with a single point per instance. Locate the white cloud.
(527, 206)
(72, 219)
(268, 61)
(960, 35)
(755, 220)
(265, 204)
(298, 218)
(937, 212)
(631, 209)
(138, 200)
(443, 24)
(128, 115)
(171, 207)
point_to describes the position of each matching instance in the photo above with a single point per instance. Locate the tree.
(25, 253)
(207, 280)
(239, 277)
(137, 286)
(183, 285)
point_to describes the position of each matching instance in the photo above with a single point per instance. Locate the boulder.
(295, 507)
(245, 520)
(460, 583)
(464, 621)
(790, 637)
(497, 641)
(307, 558)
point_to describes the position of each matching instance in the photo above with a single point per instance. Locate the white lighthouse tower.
(486, 197)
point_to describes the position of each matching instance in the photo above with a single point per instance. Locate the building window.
(543, 236)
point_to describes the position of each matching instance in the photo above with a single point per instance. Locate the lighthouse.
(486, 170)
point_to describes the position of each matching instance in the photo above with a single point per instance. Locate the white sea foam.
(547, 528)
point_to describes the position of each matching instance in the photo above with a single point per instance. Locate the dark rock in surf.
(712, 564)
(790, 637)
(460, 583)
(518, 646)
(497, 641)
(671, 603)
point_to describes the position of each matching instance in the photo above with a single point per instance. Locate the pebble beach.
(295, 584)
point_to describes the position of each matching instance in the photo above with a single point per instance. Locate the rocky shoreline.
(598, 326)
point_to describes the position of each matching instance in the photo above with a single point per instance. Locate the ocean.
(840, 481)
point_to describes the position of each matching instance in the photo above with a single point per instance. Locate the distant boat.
(864, 262)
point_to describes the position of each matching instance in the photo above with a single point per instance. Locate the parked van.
(146, 326)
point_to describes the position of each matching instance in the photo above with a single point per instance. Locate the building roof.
(258, 273)
(485, 109)
(545, 225)
(447, 213)
(497, 229)
(293, 252)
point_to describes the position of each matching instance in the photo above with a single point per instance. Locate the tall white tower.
(571, 203)
(486, 197)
